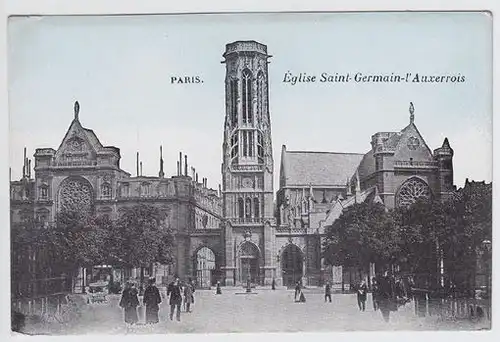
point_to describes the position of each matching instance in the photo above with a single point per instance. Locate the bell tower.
(247, 165)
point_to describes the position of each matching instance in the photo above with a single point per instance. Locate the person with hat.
(174, 290)
(129, 302)
(152, 300)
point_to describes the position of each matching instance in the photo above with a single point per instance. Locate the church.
(247, 229)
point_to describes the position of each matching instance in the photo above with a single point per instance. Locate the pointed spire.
(137, 164)
(24, 163)
(161, 173)
(141, 168)
(77, 110)
(446, 143)
(185, 165)
(412, 111)
(179, 171)
(29, 168)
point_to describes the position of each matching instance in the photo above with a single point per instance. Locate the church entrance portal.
(291, 265)
(249, 263)
(205, 267)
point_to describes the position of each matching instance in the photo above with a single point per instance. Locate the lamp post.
(249, 288)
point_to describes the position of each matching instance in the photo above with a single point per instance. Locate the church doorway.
(249, 263)
(204, 267)
(292, 265)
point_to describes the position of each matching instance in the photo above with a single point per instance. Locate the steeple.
(412, 111)
(77, 110)
(161, 173)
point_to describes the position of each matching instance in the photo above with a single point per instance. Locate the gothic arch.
(75, 193)
(411, 190)
(249, 259)
(292, 262)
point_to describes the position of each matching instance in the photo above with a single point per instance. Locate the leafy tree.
(142, 238)
(365, 233)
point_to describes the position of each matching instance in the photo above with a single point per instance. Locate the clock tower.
(247, 166)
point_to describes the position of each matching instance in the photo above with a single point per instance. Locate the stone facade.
(82, 174)
(239, 232)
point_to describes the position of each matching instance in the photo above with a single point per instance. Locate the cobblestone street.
(264, 311)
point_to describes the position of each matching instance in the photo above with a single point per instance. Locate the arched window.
(256, 207)
(44, 192)
(234, 145)
(245, 144)
(260, 95)
(411, 191)
(248, 208)
(233, 102)
(241, 209)
(247, 96)
(260, 146)
(106, 190)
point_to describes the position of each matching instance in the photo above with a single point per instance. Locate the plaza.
(264, 311)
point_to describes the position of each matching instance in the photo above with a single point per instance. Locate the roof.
(319, 168)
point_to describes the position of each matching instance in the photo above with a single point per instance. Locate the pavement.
(263, 311)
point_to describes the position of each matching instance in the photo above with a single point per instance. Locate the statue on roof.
(412, 111)
(77, 109)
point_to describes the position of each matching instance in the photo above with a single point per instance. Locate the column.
(269, 264)
(229, 268)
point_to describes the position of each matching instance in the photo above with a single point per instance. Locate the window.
(106, 190)
(44, 192)
(260, 95)
(234, 145)
(256, 210)
(260, 145)
(233, 104)
(411, 191)
(245, 144)
(247, 96)
(241, 210)
(248, 208)
(250, 144)
(125, 190)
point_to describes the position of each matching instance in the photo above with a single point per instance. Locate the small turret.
(444, 157)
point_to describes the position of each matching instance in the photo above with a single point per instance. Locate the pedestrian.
(218, 290)
(375, 294)
(174, 290)
(362, 290)
(152, 300)
(190, 282)
(297, 290)
(188, 296)
(273, 285)
(386, 296)
(129, 303)
(328, 292)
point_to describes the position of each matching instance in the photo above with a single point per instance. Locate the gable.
(78, 145)
(411, 144)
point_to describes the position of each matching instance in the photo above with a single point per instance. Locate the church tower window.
(245, 144)
(260, 146)
(44, 192)
(256, 209)
(241, 209)
(412, 190)
(234, 145)
(250, 144)
(106, 190)
(247, 96)
(260, 94)
(233, 103)
(248, 208)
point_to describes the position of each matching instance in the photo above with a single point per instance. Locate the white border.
(114, 7)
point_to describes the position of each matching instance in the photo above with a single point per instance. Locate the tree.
(364, 233)
(142, 237)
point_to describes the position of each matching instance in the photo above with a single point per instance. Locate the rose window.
(76, 195)
(411, 191)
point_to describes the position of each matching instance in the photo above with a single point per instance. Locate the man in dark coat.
(362, 291)
(328, 292)
(386, 296)
(152, 300)
(174, 290)
(129, 302)
(375, 293)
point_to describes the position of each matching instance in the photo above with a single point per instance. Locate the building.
(83, 174)
(239, 233)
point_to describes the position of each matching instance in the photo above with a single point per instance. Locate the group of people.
(177, 292)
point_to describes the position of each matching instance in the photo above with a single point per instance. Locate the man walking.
(174, 290)
(328, 292)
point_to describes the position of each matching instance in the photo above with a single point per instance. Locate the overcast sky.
(119, 69)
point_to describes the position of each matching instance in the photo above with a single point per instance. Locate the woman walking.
(152, 300)
(129, 303)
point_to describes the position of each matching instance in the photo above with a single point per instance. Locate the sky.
(120, 68)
